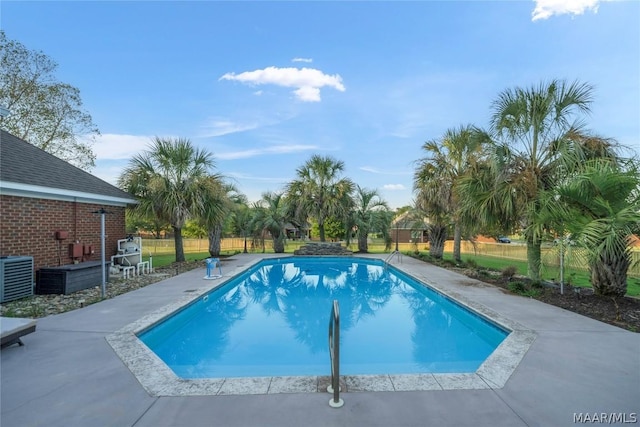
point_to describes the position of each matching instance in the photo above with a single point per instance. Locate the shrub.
(508, 272)
(518, 287)
(532, 293)
(521, 288)
(537, 285)
(483, 273)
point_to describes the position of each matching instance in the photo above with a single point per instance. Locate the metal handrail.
(391, 255)
(334, 355)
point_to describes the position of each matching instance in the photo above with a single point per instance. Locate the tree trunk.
(457, 238)
(215, 237)
(245, 244)
(533, 258)
(321, 230)
(609, 275)
(363, 246)
(437, 237)
(278, 244)
(177, 233)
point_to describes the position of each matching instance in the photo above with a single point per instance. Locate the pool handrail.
(334, 355)
(388, 259)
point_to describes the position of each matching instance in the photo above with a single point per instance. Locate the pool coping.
(159, 380)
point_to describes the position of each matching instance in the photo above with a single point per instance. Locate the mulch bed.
(623, 312)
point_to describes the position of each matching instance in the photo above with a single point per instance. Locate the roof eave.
(36, 191)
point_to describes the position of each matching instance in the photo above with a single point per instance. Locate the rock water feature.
(323, 248)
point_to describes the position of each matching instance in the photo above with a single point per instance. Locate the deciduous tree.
(43, 111)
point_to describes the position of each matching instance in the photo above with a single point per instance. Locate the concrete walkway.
(67, 374)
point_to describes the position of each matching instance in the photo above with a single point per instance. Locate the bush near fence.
(574, 257)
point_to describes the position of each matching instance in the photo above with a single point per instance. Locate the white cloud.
(308, 94)
(108, 173)
(307, 60)
(411, 124)
(307, 81)
(276, 149)
(219, 127)
(381, 172)
(394, 187)
(546, 8)
(248, 177)
(117, 147)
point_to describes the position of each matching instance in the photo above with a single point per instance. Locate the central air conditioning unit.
(16, 277)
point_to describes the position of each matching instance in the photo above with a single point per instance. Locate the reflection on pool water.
(272, 321)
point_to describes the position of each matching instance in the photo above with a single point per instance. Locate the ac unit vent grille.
(16, 278)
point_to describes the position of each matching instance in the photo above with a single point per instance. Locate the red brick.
(28, 226)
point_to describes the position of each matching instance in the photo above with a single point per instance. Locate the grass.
(574, 277)
(167, 259)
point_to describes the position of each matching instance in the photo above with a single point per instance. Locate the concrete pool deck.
(67, 374)
(159, 380)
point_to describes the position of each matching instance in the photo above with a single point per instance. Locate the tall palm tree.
(222, 201)
(449, 158)
(257, 233)
(319, 191)
(603, 212)
(531, 128)
(428, 214)
(243, 222)
(434, 199)
(367, 215)
(172, 181)
(272, 216)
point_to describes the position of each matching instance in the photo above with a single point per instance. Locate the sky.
(265, 85)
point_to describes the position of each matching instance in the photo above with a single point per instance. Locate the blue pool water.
(273, 321)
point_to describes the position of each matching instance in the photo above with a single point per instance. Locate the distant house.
(46, 204)
(406, 229)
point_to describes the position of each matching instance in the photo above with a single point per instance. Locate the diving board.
(13, 328)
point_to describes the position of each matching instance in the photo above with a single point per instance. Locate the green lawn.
(549, 273)
(571, 276)
(167, 259)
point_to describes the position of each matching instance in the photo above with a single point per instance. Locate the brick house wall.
(28, 227)
(408, 236)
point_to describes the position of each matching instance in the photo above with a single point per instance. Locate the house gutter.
(37, 191)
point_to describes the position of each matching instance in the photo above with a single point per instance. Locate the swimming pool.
(272, 321)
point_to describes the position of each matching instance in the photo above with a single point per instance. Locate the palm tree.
(272, 216)
(319, 191)
(603, 212)
(485, 198)
(448, 160)
(531, 128)
(367, 215)
(172, 181)
(428, 214)
(434, 200)
(243, 222)
(223, 199)
(257, 234)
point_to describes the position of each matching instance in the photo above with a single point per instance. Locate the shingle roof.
(24, 163)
